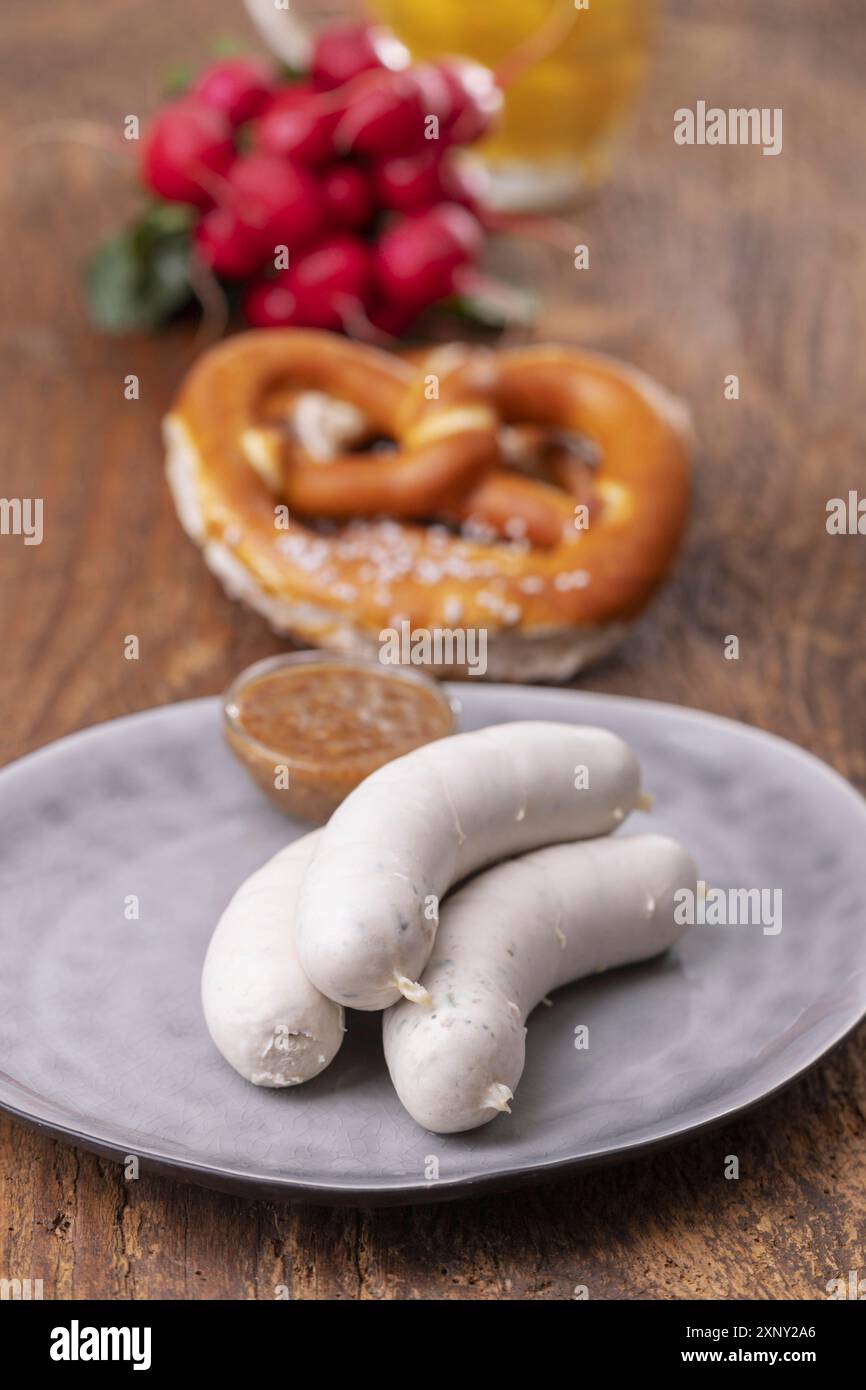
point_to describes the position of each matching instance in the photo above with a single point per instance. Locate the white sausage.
(507, 939)
(263, 1014)
(368, 909)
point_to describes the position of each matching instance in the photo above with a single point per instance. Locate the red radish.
(416, 261)
(381, 117)
(348, 196)
(434, 96)
(328, 279)
(390, 319)
(385, 113)
(476, 99)
(279, 200)
(268, 304)
(345, 50)
(239, 87)
(416, 182)
(187, 149)
(227, 245)
(298, 125)
(410, 182)
(465, 180)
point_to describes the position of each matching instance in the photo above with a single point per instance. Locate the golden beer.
(563, 111)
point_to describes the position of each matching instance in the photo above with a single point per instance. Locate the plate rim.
(395, 1190)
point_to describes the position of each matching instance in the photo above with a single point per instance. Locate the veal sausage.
(506, 939)
(265, 1017)
(368, 909)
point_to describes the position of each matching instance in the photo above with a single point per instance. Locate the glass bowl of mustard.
(310, 726)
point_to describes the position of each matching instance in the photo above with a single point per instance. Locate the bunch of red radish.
(350, 176)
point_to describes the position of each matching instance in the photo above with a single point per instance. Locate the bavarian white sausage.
(368, 908)
(507, 939)
(263, 1014)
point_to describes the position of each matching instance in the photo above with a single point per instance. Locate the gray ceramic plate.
(102, 1039)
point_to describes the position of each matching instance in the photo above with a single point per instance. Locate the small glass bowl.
(305, 781)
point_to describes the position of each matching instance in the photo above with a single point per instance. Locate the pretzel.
(643, 472)
(441, 448)
(550, 594)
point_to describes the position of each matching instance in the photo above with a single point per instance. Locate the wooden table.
(704, 262)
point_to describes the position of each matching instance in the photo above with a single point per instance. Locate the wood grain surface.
(704, 262)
